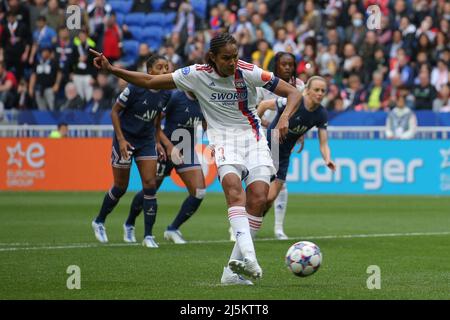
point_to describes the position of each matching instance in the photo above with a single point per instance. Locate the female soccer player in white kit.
(226, 90)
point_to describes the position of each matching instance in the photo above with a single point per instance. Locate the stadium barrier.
(364, 166)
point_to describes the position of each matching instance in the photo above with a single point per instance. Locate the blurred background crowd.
(403, 63)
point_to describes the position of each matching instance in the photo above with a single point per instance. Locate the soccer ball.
(303, 258)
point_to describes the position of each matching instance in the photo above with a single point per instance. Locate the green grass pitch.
(41, 234)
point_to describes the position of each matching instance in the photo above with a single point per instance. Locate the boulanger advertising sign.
(420, 167)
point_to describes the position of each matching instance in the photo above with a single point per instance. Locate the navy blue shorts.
(144, 149)
(165, 167)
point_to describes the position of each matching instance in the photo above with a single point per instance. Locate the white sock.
(280, 208)
(240, 225)
(255, 224)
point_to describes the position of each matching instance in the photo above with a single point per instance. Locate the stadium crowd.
(46, 66)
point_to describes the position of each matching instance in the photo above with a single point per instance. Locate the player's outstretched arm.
(325, 149)
(266, 105)
(294, 97)
(144, 80)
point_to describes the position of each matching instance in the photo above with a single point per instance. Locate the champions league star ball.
(303, 258)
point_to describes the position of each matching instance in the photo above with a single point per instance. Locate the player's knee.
(199, 193)
(235, 195)
(149, 183)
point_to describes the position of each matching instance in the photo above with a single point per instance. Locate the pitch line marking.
(97, 245)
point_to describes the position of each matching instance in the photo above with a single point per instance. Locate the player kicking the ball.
(226, 90)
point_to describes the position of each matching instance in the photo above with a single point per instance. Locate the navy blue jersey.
(299, 124)
(181, 112)
(141, 107)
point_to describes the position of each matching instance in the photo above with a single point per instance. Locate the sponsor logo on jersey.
(239, 83)
(228, 96)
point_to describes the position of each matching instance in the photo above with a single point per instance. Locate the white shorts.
(243, 149)
(262, 173)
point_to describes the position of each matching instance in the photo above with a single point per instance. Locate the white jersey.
(229, 107)
(226, 102)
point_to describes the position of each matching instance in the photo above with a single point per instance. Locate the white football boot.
(175, 236)
(149, 242)
(128, 234)
(231, 278)
(248, 267)
(280, 235)
(100, 232)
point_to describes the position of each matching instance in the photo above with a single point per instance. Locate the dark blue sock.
(110, 200)
(135, 208)
(150, 208)
(188, 208)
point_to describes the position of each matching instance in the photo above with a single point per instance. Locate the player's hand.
(126, 149)
(162, 155)
(301, 140)
(331, 165)
(283, 127)
(174, 155)
(100, 61)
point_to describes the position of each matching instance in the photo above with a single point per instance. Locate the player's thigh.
(147, 171)
(121, 177)
(193, 179)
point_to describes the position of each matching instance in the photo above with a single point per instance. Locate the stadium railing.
(106, 131)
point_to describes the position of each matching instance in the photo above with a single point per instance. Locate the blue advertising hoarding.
(390, 167)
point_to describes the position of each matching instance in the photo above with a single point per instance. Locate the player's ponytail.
(219, 41)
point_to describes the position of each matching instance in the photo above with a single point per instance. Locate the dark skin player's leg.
(193, 179)
(121, 177)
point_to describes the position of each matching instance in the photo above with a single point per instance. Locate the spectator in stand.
(307, 63)
(43, 37)
(376, 94)
(282, 41)
(36, 9)
(442, 103)
(54, 15)
(263, 55)
(354, 95)
(83, 71)
(185, 24)
(112, 39)
(172, 56)
(73, 100)
(356, 32)
(424, 93)
(62, 131)
(16, 44)
(64, 50)
(20, 10)
(399, 65)
(246, 45)
(258, 23)
(144, 54)
(23, 100)
(401, 122)
(367, 52)
(241, 24)
(8, 86)
(98, 13)
(144, 6)
(45, 80)
(439, 75)
(97, 103)
(109, 93)
(309, 20)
